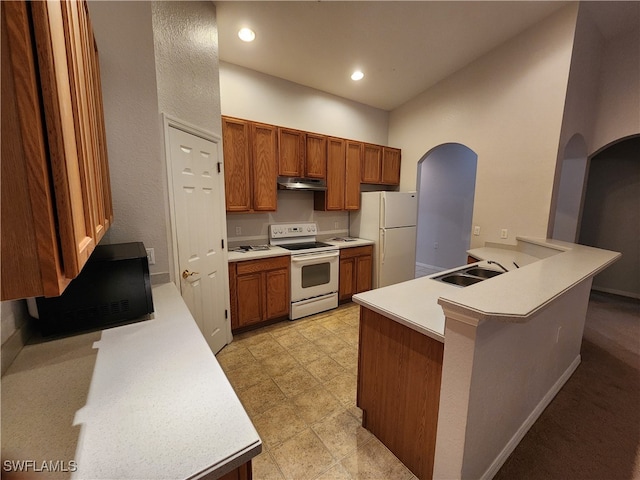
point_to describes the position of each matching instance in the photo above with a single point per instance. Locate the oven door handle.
(313, 257)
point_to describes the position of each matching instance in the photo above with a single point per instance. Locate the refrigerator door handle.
(383, 212)
(383, 247)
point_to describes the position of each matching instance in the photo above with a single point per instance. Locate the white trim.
(528, 423)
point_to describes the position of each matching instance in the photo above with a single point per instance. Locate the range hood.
(295, 183)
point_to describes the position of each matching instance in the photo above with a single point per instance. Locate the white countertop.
(279, 251)
(146, 400)
(513, 296)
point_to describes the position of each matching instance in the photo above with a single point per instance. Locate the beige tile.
(266, 349)
(347, 357)
(330, 343)
(278, 424)
(238, 357)
(314, 332)
(356, 412)
(306, 352)
(279, 364)
(341, 433)
(337, 472)
(303, 456)
(373, 460)
(247, 376)
(343, 387)
(291, 339)
(261, 397)
(315, 404)
(334, 323)
(295, 381)
(280, 328)
(351, 336)
(325, 368)
(252, 337)
(265, 468)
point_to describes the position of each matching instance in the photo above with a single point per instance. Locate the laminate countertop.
(146, 400)
(239, 256)
(548, 268)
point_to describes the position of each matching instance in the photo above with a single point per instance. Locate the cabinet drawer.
(253, 266)
(356, 251)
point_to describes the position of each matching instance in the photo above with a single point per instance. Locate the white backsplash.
(293, 206)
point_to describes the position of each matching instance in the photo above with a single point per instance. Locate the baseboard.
(430, 267)
(622, 293)
(11, 348)
(528, 423)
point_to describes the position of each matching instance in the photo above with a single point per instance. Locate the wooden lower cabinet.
(259, 291)
(243, 472)
(355, 271)
(399, 376)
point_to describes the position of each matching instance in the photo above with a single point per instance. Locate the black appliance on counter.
(112, 289)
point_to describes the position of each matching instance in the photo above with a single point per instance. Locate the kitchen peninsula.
(145, 400)
(451, 378)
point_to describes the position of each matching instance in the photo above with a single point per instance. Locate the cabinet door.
(335, 174)
(291, 151)
(237, 164)
(371, 163)
(390, 166)
(347, 281)
(250, 290)
(233, 295)
(277, 288)
(363, 273)
(352, 175)
(316, 156)
(264, 145)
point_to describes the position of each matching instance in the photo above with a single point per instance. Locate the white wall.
(447, 178)
(616, 113)
(14, 330)
(507, 107)
(255, 96)
(124, 36)
(155, 57)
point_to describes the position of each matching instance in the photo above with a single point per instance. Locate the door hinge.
(219, 167)
(222, 243)
(226, 314)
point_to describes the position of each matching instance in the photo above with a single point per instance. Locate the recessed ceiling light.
(357, 75)
(246, 35)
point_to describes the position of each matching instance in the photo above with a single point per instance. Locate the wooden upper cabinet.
(291, 152)
(333, 197)
(353, 162)
(264, 142)
(390, 166)
(237, 164)
(52, 122)
(315, 165)
(381, 165)
(250, 158)
(371, 163)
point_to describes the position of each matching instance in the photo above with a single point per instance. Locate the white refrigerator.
(389, 219)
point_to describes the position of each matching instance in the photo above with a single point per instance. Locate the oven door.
(314, 274)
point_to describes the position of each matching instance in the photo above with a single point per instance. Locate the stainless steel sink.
(467, 276)
(459, 279)
(482, 272)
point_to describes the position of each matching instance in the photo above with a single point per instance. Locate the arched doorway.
(446, 186)
(570, 190)
(611, 218)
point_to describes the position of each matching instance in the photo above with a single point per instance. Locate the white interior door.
(198, 219)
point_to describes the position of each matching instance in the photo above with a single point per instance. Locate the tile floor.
(423, 270)
(297, 382)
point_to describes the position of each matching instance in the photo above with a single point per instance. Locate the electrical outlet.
(504, 233)
(476, 230)
(238, 231)
(151, 256)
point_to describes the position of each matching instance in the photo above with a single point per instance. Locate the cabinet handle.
(186, 274)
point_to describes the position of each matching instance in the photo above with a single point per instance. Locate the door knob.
(186, 274)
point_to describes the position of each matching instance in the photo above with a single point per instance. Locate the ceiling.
(402, 47)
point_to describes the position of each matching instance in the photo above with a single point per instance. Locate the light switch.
(476, 230)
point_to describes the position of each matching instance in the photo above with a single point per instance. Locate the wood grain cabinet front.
(355, 271)
(381, 165)
(343, 176)
(56, 196)
(250, 152)
(259, 291)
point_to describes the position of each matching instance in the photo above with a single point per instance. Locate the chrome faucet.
(496, 263)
